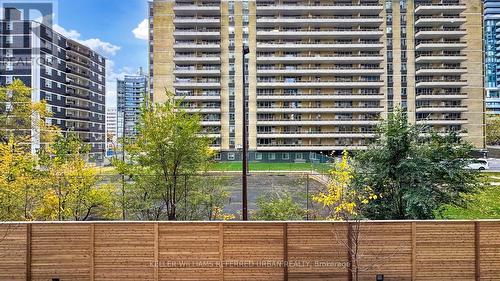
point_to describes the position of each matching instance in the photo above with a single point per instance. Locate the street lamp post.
(245, 50)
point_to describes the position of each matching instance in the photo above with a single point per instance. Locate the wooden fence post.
(413, 251)
(221, 250)
(92, 251)
(28, 252)
(285, 251)
(157, 254)
(349, 250)
(477, 246)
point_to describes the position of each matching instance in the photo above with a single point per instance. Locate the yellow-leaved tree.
(74, 191)
(344, 201)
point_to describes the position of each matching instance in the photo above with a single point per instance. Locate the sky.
(117, 29)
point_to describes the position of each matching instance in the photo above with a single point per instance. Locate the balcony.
(321, 84)
(428, 45)
(189, 9)
(337, 71)
(437, 70)
(80, 73)
(77, 104)
(445, 9)
(215, 109)
(442, 121)
(320, 21)
(312, 134)
(194, 21)
(430, 33)
(441, 96)
(316, 122)
(210, 122)
(179, 47)
(314, 97)
(425, 58)
(197, 33)
(181, 72)
(440, 108)
(440, 83)
(308, 147)
(427, 21)
(323, 46)
(321, 34)
(78, 84)
(197, 59)
(78, 49)
(319, 109)
(78, 93)
(321, 59)
(197, 84)
(337, 9)
(198, 97)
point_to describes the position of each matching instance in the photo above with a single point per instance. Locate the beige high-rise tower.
(321, 73)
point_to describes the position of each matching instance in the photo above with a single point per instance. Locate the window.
(10, 39)
(9, 66)
(8, 80)
(48, 71)
(230, 156)
(217, 156)
(48, 83)
(48, 97)
(9, 53)
(286, 156)
(258, 156)
(9, 26)
(299, 156)
(272, 156)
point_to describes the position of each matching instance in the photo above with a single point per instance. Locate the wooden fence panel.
(189, 251)
(119, 251)
(445, 251)
(13, 252)
(124, 251)
(247, 246)
(490, 251)
(60, 251)
(317, 251)
(385, 248)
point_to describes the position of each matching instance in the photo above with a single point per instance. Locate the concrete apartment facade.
(321, 74)
(132, 94)
(69, 76)
(492, 51)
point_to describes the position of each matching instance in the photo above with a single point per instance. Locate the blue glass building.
(492, 55)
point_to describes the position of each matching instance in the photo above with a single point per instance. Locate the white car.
(478, 164)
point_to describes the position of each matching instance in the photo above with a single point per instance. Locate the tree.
(414, 171)
(168, 152)
(74, 192)
(278, 207)
(22, 119)
(345, 202)
(21, 183)
(492, 129)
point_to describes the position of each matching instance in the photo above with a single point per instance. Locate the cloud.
(111, 75)
(142, 30)
(102, 47)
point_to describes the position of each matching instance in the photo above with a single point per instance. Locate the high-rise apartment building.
(132, 94)
(492, 62)
(321, 73)
(69, 76)
(111, 130)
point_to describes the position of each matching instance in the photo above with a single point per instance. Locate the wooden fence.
(406, 250)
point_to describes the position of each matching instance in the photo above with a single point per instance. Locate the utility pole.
(245, 50)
